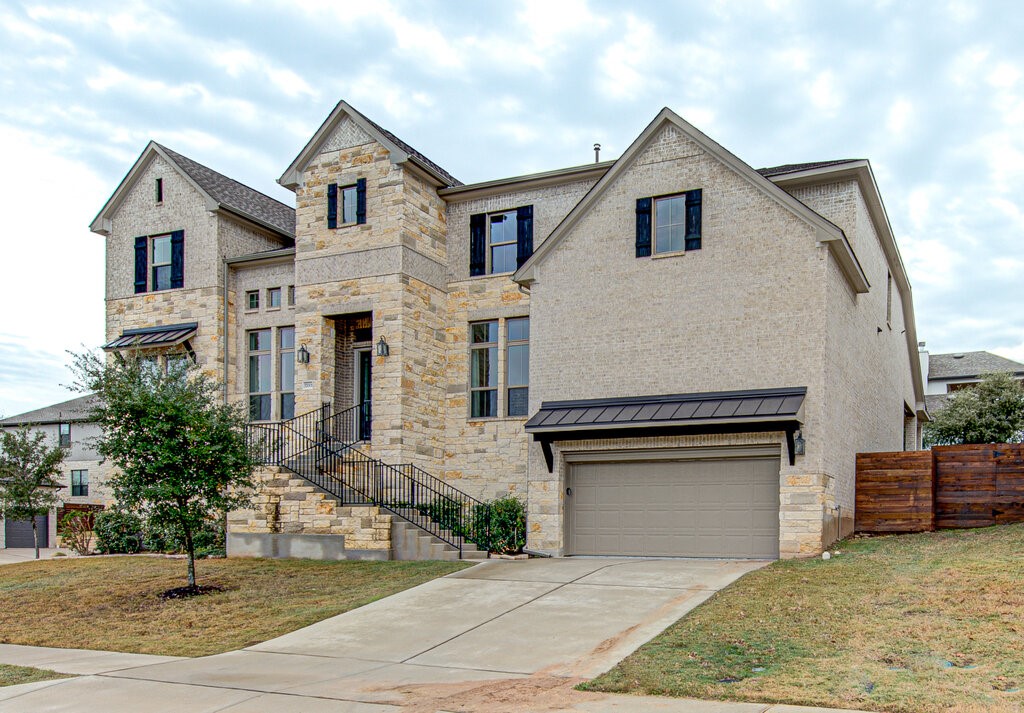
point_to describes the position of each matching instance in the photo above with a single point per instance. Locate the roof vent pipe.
(597, 153)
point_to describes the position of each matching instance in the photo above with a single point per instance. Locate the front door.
(364, 366)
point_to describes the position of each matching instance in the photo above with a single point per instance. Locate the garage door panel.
(18, 533)
(709, 508)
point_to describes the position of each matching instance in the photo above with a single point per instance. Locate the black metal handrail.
(320, 447)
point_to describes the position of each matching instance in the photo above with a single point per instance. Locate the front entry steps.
(409, 542)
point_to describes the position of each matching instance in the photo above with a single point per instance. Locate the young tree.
(990, 412)
(181, 454)
(28, 476)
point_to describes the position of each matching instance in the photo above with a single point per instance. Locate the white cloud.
(625, 66)
(899, 118)
(825, 94)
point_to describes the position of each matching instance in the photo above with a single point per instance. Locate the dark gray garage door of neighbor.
(726, 507)
(19, 532)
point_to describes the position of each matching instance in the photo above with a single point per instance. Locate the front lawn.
(912, 623)
(113, 603)
(13, 675)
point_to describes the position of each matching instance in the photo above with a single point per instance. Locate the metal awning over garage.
(151, 337)
(669, 414)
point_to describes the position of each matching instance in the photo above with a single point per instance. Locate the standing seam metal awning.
(710, 412)
(152, 337)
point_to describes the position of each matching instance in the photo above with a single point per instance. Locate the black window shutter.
(478, 244)
(141, 264)
(332, 205)
(643, 227)
(524, 234)
(178, 258)
(361, 201)
(693, 219)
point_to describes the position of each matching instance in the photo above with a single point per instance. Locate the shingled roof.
(798, 167)
(451, 180)
(235, 196)
(970, 365)
(64, 412)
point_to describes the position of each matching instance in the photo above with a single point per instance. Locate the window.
(483, 385)
(64, 435)
(676, 223)
(161, 263)
(253, 299)
(274, 297)
(501, 242)
(348, 204)
(291, 295)
(286, 355)
(79, 483)
(260, 374)
(517, 366)
(353, 204)
(888, 298)
(159, 190)
(670, 224)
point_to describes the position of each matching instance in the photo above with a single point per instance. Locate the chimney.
(923, 355)
(597, 153)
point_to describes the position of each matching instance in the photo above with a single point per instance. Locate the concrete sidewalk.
(12, 555)
(501, 636)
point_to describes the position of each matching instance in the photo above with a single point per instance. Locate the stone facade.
(764, 303)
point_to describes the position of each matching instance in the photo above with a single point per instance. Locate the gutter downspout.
(226, 341)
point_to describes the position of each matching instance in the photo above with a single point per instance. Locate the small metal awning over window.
(152, 337)
(670, 414)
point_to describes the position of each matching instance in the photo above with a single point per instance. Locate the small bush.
(500, 525)
(118, 532)
(208, 540)
(446, 513)
(76, 531)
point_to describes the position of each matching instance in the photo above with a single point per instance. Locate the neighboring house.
(666, 354)
(83, 476)
(947, 373)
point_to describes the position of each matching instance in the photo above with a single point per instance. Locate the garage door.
(693, 508)
(19, 532)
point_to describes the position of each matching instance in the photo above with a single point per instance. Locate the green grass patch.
(910, 624)
(114, 604)
(14, 675)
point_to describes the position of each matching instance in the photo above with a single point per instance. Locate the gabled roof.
(798, 167)
(400, 151)
(219, 192)
(970, 365)
(828, 233)
(65, 412)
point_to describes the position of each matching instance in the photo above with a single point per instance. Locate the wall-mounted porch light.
(799, 446)
(303, 355)
(383, 349)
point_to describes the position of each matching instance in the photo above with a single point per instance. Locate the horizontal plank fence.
(946, 487)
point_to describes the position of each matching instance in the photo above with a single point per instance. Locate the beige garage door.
(694, 508)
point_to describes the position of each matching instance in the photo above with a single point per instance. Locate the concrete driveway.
(12, 555)
(486, 638)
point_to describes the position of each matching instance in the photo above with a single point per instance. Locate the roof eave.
(528, 181)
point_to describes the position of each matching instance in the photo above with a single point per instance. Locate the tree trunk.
(191, 550)
(35, 535)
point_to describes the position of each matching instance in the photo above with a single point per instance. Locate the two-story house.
(947, 373)
(670, 353)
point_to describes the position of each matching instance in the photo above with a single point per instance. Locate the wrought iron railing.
(321, 447)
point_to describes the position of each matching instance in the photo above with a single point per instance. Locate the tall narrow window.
(274, 297)
(502, 242)
(260, 374)
(64, 431)
(159, 190)
(79, 483)
(670, 224)
(252, 299)
(484, 369)
(349, 203)
(161, 263)
(286, 353)
(888, 298)
(517, 365)
(291, 295)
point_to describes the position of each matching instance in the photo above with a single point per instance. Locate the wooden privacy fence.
(948, 486)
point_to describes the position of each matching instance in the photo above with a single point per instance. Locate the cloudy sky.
(931, 92)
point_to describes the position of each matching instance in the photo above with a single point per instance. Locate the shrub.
(118, 532)
(76, 531)
(208, 538)
(500, 525)
(446, 513)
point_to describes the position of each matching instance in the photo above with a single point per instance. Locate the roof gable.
(828, 233)
(400, 151)
(218, 191)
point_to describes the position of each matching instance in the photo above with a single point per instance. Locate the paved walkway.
(501, 636)
(11, 555)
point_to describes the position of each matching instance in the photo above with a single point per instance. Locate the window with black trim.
(64, 435)
(161, 263)
(79, 483)
(668, 224)
(500, 242)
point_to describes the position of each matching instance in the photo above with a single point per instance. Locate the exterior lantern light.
(383, 349)
(303, 355)
(799, 445)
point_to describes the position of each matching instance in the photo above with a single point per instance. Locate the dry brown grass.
(113, 603)
(13, 675)
(910, 624)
